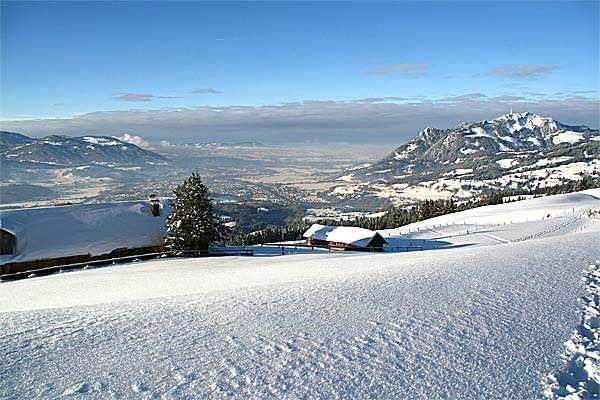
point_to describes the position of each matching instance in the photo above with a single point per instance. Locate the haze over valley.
(516, 151)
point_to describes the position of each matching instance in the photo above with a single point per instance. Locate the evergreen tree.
(584, 183)
(191, 226)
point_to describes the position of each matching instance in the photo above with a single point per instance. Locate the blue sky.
(259, 71)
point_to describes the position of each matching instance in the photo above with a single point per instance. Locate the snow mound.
(48, 232)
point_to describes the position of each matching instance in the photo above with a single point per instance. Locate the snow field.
(529, 210)
(483, 316)
(468, 323)
(451, 234)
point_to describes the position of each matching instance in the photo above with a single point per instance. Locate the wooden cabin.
(8, 242)
(344, 238)
(40, 237)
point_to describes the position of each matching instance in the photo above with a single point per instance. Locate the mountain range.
(57, 150)
(515, 150)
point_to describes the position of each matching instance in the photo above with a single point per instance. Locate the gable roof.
(342, 234)
(48, 232)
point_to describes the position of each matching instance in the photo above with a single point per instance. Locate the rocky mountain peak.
(474, 156)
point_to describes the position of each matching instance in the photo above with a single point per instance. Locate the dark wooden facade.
(22, 266)
(8, 242)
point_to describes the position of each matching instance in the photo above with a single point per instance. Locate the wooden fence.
(19, 270)
(297, 246)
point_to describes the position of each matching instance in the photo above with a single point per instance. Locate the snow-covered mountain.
(510, 132)
(9, 140)
(513, 150)
(71, 151)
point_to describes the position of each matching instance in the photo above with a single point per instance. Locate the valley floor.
(473, 320)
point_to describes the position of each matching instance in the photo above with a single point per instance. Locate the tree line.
(396, 217)
(193, 224)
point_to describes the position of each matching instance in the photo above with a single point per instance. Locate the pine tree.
(584, 183)
(191, 226)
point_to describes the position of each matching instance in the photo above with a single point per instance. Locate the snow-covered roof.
(49, 232)
(341, 234)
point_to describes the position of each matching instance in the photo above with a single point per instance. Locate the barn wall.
(372, 246)
(14, 267)
(8, 242)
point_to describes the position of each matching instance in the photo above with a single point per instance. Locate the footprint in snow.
(78, 388)
(289, 347)
(139, 387)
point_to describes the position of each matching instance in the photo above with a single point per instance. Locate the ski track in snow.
(479, 321)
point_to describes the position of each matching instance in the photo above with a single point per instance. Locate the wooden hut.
(344, 238)
(40, 237)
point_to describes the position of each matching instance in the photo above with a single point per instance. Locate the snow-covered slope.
(464, 321)
(533, 209)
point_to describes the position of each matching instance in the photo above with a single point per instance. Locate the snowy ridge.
(71, 151)
(518, 131)
(516, 150)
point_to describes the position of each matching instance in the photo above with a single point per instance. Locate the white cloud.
(134, 139)
(352, 121)
(408, 70)
(165, 143)
(522, 72)
(207, 91)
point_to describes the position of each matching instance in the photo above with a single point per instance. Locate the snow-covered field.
(505, 311)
